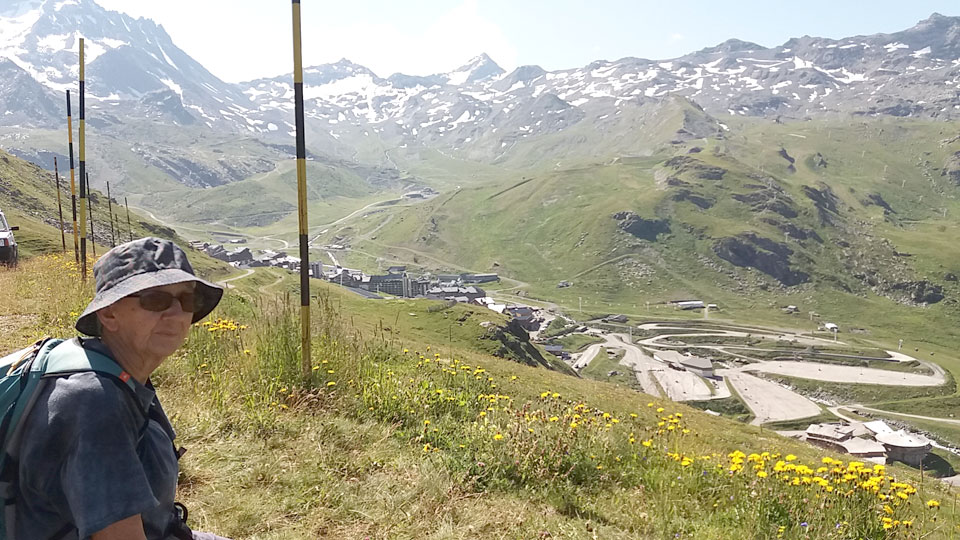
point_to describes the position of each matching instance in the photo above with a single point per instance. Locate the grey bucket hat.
(132, 267)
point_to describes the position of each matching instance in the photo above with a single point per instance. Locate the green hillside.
(406, 430)
(29, 199)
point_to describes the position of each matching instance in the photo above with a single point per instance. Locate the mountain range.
(135, 71)
(736, 171)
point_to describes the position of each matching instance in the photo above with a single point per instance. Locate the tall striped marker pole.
(56, 175)
(113, 231)
(301, 197)
(93, 241)
(73, 185)
(83, 177)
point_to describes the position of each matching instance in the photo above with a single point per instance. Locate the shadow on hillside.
(935, 466)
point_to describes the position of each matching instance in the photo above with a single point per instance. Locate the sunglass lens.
(191, 302)
(155, 300)
(161, 301)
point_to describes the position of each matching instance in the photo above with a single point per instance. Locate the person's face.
(151, 335)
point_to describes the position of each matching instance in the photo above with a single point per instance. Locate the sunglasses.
(190, 302)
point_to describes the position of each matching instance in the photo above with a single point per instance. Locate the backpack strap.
(72, 357)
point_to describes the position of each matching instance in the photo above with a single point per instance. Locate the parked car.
(8, 244)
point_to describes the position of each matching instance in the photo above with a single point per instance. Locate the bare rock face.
(768, 197)
(918, 292)
(951, 168)
(826, 203)
(752, 251)
(693, 197)
(795, 232)
(645, 229)
(783, 153)
(695, 167)
(875, 199)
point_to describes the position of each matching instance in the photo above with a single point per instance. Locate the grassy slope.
(271, 458)
(29, 200)
(541, 226)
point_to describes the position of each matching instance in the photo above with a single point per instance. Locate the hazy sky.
(245, 39)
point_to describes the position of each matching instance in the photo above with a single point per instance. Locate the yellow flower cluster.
(221, 325)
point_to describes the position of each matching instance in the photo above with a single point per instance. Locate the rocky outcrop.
(875, 199)
(768, 197)
(692, 197)
(751, 251)
(783, 153)
(511, 341)
(918, 292)
(794, 232)
(695, 167)
(645, 229)
(951, 168)
(826, 203)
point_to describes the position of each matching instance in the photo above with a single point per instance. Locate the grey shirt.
(91, 457)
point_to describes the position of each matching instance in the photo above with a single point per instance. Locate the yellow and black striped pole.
(73, 185)
(301, 197)
(83, 178)
(56, 176)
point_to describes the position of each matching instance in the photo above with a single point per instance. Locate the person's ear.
(108, 318)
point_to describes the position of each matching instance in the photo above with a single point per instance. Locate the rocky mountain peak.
(732, 46)
(479, 68)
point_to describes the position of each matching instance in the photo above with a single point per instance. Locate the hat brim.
(211, 294)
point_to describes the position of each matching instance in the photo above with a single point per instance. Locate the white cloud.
(676, 37)
(251, 39)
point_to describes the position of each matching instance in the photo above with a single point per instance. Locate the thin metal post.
(129, 227)
(113, 233)
(73, 185)
(56, 176)
(83, 175)
(93, 241)
(301, 196)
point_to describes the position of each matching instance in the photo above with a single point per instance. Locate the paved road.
(224, 282)
(768, 401)
(848, 374)
(653, 375)
(894, 413)
(681, 385)
(587, 356)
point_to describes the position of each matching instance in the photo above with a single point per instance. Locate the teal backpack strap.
(72, 357)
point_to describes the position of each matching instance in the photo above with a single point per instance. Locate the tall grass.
(475, 429)
(461, 417)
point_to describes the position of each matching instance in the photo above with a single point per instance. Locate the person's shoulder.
(81, 393)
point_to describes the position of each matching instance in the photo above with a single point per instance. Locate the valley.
(545, 303)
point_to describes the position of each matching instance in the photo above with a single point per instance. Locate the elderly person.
(98, 458)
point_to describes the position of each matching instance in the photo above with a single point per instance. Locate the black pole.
(56, 176)
(93, 241)
(113, 234)
(129, 227)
